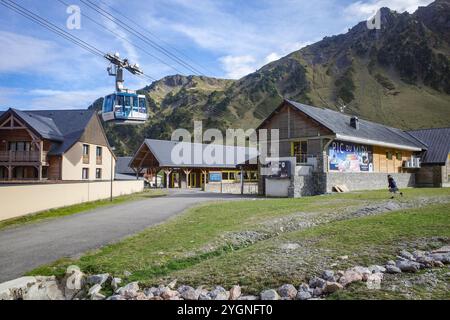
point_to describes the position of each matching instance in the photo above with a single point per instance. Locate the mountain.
(398, 75)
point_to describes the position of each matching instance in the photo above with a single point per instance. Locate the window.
(142, 107)
(98, 173)
(398, 155)
(98, 153)
(232, 177)
(389, 155)
(19, 146)
(224, 175)
(299, 150)
(85, 174)
(85, 153)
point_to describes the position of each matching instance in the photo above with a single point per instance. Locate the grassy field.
(78, 208)
(267, 242)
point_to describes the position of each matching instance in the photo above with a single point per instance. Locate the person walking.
(392, 185)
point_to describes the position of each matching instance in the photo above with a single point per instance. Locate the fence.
(18, 200)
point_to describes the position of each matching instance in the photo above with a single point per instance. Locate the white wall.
(72, 163)
(18, 200)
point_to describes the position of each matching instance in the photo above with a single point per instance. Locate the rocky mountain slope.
(398, 75)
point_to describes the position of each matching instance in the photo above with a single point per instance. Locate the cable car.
(125, 108)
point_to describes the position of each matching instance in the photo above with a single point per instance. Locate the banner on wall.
(350, 157)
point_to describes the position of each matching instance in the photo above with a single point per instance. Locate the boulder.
(168, 293)
(235, 292)
(331, 287)
(407, 255)
(392, 269)
(363, 271)
(408, 266)
(115, 283)
(444, 249)
(189, 293)
(316, 282)
(73, 282)
(14, 289)
(377, 269)
(425, 261)
(350, 276)
(269, 295)
(219, 293)
(98, 279)
(46, 288)
(129, 290)
(390, 263)
(98, 296)
(374, 281)
(248, 298)
(204, 296)
(317, 292)
(287, 291)
(328, 275)
(94, 289)
(303, 295)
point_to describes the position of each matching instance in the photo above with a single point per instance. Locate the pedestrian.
(392, 185)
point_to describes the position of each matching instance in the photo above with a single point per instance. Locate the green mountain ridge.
(398, 75)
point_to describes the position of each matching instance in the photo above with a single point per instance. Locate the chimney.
(354, 122)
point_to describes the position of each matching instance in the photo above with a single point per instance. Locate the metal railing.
(23, 156)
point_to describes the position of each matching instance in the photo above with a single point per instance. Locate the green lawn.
(196, 248)
(78, 208)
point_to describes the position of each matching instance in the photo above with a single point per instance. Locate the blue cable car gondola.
(124, 106)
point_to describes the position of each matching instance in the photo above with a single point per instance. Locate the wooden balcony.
(23, 156)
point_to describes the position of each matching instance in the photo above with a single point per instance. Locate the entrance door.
(193, 179)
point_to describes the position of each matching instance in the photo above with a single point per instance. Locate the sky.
(219, 38)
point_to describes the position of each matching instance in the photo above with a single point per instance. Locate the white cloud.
(238, 66)
(365, 9)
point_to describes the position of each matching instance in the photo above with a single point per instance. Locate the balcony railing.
(23, 156)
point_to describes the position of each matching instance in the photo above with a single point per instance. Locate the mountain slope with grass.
(398, 75)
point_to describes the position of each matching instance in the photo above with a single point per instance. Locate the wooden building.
(53, 145)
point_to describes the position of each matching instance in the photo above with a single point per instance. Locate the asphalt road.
(26, 247)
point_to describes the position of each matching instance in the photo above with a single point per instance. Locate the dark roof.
(123, 165)
(438, 142)
(162, 150)
(64, 127)
(339, 123)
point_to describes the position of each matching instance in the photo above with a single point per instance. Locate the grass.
(77, 208)
(175, 249)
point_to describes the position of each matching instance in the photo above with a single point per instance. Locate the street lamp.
(112, 173)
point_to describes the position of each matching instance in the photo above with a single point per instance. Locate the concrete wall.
(232, 188)
(72, 163)
(367, 181)
(18, 200)
(277, 187)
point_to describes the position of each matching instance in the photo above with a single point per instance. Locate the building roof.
(438, 142)
(64, 127)
(123, 166)
(163, 151)
(368, 132)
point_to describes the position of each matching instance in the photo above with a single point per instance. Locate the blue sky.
(224, 38)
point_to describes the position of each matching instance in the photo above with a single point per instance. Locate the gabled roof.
(162, 151)
(123, 165)
(64, 127)
(438, 142)
(369, 132)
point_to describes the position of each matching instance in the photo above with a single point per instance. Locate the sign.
(215, 176)
(280, 169)
(350, 157)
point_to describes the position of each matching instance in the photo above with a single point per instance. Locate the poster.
(215, 176)
(350, 157)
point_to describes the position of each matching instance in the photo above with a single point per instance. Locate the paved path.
(27, 247)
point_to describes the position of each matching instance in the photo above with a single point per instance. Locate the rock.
(248, 298)
(444, 249)
(127, 273)
(303, 295)
(374, 281)
(116, 297)
(98, 296)
(377, 269)
(204, 296)
(270, 295)
(219, 293)
(287, 291)
(438, 264)
(235, 292)
(129, 290)
(363, 271)
(392, 269)
(94, 289)
(405, 254)
(73, 282)
(316, 282)
(425, 261)
(331, 287)
(98, 279)
(328, 275)
(343, 258)
(168, 293)
(408, 266)
(418, 253)
(349, 277)
(189, 293)
(115, 283)
(304, 287)
(14, 289)
(317, 292)
(46, 288)
(390, 263)
(172, 284)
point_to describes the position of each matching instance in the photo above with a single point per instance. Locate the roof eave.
(376, 143)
